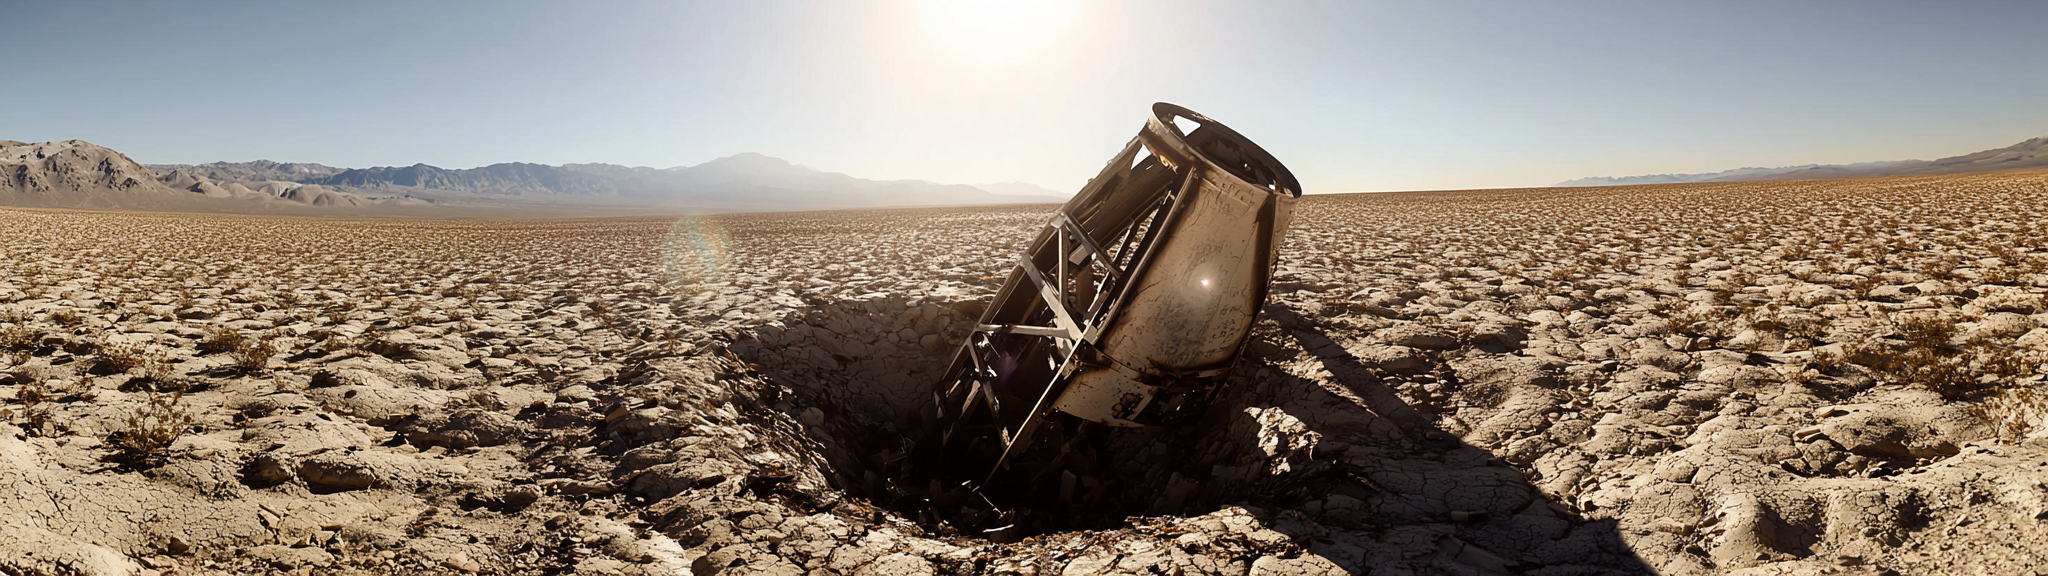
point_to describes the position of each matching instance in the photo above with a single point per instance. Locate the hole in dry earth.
(859, 369)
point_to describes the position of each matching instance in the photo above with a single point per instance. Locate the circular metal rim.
(1162, 121)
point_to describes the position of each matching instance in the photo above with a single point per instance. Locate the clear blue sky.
(1353, 95)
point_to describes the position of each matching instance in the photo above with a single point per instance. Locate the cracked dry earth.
(1831, 377)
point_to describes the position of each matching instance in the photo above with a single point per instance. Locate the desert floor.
(1825, 377)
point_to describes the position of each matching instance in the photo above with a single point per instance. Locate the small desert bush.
(254, 354)
(1943, 268)
(1787, 325)
(220, 339)
(2004, 363)
(146, 435)
(123, 358)
(67, 317)
(364, 343)
(249, 354)
(16, 334)
(148, 368)
(1924, 355)
(1681, 317)
(34, 396)
(1926, 331)
(2004, 275)
(2014, 414)
(1932, 367)
(1825, 361)
(337, 343)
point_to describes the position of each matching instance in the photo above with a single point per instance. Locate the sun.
(996, 31)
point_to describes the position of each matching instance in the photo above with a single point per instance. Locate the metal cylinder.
(1132, 304)
(1191, 305)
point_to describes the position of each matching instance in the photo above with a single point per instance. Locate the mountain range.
(2029, 155)
(79, 174)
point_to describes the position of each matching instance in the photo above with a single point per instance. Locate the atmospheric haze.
(647, 288)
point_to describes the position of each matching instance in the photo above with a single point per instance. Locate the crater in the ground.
(859, 369)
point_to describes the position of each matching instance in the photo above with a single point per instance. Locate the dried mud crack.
(1773, 378)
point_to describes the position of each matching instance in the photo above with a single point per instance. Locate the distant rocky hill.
(257, 171)
(79, 174)
(1677, 178)
(512, 179)
(740, 182)
(2029, 155)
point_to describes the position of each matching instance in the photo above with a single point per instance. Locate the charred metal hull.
(1128, 309)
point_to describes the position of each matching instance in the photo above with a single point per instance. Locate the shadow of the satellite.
(1337, 462)
(1431, 503)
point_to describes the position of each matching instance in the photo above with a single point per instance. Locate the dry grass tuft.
(220, 339)
(250, 354)
(16, 335)
(34, 396)
(147, 434)
(123, 358)
(2014, 414)
(254, 354)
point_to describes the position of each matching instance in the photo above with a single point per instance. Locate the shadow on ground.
(1434, 504)
(1307, 441)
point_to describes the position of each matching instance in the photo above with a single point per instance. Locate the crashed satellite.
(1128, 309)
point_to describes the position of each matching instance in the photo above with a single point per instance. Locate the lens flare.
(695, 253)
(997, 31)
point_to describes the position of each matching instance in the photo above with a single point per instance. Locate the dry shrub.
(254, 354)
(1925, 356)
(1935, 368)
(123, 358)
(67, 318)
(1943, 268)
(15, 333)
(35, 396)
(1825, 361)
(2002, 275)
(2006, 363)
(360, 344)
(149, 368)
(337, 342)
(1682, 318)
(249, 354)
(1788, 324)
(220, 339)
(1926, 331)
(148, 432)
(2014, 414)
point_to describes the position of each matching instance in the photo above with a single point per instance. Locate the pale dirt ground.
(1827, 377)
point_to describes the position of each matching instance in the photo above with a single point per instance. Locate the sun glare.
(996, 31)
